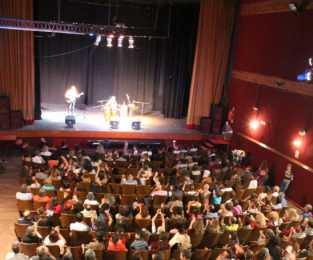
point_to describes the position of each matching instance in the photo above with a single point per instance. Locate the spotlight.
(98, 40)
(136, 125)
(120, 41)
(70, 121)
(131, 42)
(110, 40)
(114, 124)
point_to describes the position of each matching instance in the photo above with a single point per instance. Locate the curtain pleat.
(17, 59)
(211, 57)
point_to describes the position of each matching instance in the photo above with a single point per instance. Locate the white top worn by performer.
(70, 97)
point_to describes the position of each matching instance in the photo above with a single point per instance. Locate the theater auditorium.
(156, 129)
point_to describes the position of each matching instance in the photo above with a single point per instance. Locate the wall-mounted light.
(298, 142)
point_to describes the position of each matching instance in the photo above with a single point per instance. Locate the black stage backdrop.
(157, 71)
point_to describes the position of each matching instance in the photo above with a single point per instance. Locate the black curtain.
(157, 71)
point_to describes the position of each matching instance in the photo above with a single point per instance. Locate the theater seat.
(28, 249)
(20, 230)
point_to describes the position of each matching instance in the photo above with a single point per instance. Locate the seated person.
(43, 253)
(79, 225)
(26, 218)
(15, 254)
(24, 193)
(55, 239)
(130, 180)
(41, 196)
(116, 244)
(32, 235)
(139, 243)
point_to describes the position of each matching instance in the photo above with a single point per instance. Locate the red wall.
(277, 44)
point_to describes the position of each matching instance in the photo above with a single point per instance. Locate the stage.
(91, 124)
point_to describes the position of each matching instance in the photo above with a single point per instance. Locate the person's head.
(144, 212)
(79, 217)
(30, 230)
(115, 238)
(15, 247)
(130, 177)
(156, 256)
(90, 196)
(185, 255)
(90, 255)
(23, 188)
(68, 255)
(308, 208)
(42, 251)
(53, 236)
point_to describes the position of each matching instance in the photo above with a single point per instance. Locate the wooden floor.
(9, 184)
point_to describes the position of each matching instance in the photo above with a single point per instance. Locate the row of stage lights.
(110, 40)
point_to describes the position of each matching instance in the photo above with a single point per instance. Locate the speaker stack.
(217, 115)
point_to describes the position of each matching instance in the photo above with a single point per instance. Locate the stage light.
(131, 42)
(114, 124)
(136, 125)
(110, 41)
(98, 40)
(70, 121)
(120, 41)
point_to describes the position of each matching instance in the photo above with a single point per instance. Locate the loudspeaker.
(136, 125)
(205, 124)
(17, 120)
(114, 124)
(4, 104)
(70, 121)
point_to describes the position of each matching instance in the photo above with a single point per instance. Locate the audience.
(175, 198)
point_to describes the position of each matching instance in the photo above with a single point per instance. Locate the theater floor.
(9, 184)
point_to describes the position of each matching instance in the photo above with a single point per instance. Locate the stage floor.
(92, 124)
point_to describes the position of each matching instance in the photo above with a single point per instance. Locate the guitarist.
(70, 97)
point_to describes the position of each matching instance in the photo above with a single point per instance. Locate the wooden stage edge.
(15, 134)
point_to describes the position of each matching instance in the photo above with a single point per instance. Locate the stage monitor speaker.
(4, 104)
(70, 121)
(205, 124)
(136, 125)
(114, 124)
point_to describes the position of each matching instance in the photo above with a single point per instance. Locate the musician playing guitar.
(70, 97)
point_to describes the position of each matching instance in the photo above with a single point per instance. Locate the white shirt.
(253, 184)
(24, 196)
(38, 159)
(77, 226)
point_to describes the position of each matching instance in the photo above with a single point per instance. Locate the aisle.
(9, 184)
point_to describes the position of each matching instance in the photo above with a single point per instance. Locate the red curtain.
(17, 59)
(211, 57)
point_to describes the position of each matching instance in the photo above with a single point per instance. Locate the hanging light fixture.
(120, 41)
(110, 40)
(131, 42)
(98, 40)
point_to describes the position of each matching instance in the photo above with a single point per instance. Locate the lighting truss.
(74, 28)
